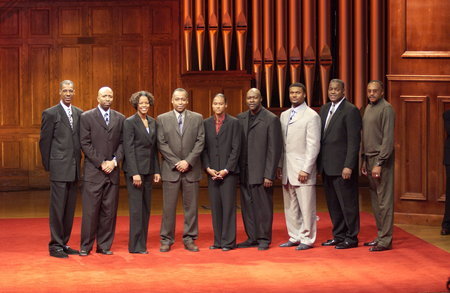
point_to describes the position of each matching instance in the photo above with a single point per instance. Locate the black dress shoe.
(226, 248)
(247, 244)
(59, 253)
(303, 247)
(214, 247)
(139, 252)
(445, 231)
(72, 251)
(331, 242)
(372, 243)
(263, 247)
(379, 248)
(289, 244)
(346, 245)
(84, 252)
(104, 251)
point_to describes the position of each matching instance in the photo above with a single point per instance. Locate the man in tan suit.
(181, 138)
(300, 127)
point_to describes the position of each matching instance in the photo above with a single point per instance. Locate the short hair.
(220, 95)
(134, 99)
(339, 81)
(64, 82)
(298, 84)
(181, 90)
(380, 83)
(257, 91)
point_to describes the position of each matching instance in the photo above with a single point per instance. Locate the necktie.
(291, 116)
(106, 118)
(329, 116)
(180, 123)
(69, 114)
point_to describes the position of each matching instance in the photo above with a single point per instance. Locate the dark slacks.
(257, 212)
(343, 206)
(63, 198)
(190, 207)
(446, 220)
(100, 201)
(139, 202)
(222, 195)
(382, 198)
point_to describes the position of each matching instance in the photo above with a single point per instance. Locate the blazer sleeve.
(274, 146)
(233, 158)
(194, 155)
(156, 168)
(45, 140)
(163, 145)
(353, 126)
(128, 147)
(86, 141)
(312, 143)
(118, 153)
(205, 152)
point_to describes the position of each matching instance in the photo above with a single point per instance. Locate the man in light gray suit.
(260, 155)
(61, 155)
(181, 137)
(300, 127)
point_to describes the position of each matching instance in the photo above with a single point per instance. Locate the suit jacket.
(222, 150)
(101, 142)
(301, 144)
(446, 117)
(60, 144)
(261, 146)
(139, 146)
(175, 147)
(340, 142)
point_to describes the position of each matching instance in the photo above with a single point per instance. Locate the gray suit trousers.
(190, 207)
(382, 197)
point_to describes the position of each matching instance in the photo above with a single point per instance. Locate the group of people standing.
(253, 149)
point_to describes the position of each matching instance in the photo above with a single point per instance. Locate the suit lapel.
(259, 118)
(335, 116)
(245, 122)
(141, 127)
(224, 125)
(100, 120)
(75, 117)
(64, 117)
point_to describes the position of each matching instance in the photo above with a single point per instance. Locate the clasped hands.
(217, 175)
(182, 166)
(108, 166)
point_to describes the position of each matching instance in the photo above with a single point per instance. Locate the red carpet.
(412, 266)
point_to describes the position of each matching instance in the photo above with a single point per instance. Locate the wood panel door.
(127, 45)
(419, 89)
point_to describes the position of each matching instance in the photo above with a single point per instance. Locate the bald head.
(105, 97)
(254, 100)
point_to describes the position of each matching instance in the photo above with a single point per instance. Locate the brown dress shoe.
(191, 246)
(164, 248)
(371, 243)
(379, 248)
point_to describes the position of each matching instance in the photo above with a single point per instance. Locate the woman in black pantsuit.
(141, 167)
(220, 160)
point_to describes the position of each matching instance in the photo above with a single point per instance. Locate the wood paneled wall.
(419, 89)
(127, 45)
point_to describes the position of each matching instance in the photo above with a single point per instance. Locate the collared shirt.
(103, 112)
(336, 106)
(295, 110)
(68, 110)
(252, 117)
(219, 121)
(183, 117)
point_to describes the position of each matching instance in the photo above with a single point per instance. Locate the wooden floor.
(34, 204)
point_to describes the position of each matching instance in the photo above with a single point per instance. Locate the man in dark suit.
(61, 155)
(220, 160)
(446, 220)
(181, 137)
(260, 155)
(101, 141)
(338, 163)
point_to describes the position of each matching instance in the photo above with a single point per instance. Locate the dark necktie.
(106, 118)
